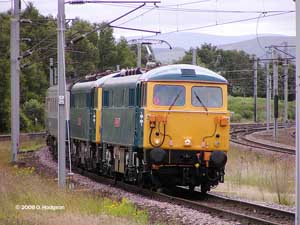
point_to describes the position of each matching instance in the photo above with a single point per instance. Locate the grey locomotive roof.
(84, 86)
(165, 73)
(87, 86)
(122, 81)
(183, 72)
(102, 80)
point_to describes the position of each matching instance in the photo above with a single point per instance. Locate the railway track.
(234, 210)
(252, 211)
(7, 137)
(239, 134)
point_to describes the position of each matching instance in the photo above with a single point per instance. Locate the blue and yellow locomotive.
(166, 127)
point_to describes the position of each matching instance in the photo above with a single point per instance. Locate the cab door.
(97, 109)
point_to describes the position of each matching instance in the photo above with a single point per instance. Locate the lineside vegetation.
(242, 108)
(22, 186)
(259, 176)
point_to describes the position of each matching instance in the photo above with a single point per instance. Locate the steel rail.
(202, 205)
(211, 208)
(265, 213)
(245, 129)
(270, 147)
(7, 137)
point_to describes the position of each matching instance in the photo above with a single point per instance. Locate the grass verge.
(258, 176)
(26, 198)
(32, 145)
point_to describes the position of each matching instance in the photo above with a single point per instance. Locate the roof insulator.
(25, 21)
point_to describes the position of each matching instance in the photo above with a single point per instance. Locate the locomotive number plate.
(117, 122)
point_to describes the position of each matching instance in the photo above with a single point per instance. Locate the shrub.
(34, 111)
(247, 114)
(236, 118)
(25, 122)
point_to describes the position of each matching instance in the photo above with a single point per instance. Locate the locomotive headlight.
(157, 141)
(187, 142)
(217, 143)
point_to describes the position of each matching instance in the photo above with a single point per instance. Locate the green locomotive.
(166, 127)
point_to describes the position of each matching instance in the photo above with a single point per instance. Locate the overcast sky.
(179, 15)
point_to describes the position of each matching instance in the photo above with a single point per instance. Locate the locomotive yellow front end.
(186, 126)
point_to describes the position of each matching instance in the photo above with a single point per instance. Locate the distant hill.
(183, 41)
(257, 46)
(167, 56)
(187, 40)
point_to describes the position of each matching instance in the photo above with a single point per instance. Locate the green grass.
(22, 186)
(243, 109)
(32, 145)
(29, 146)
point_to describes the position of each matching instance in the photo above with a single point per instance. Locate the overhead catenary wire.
(167, 8)
(256, 32)
(218, 11)
(26, 3)
(142, 14)
(190, 3)
(225, 23)
(286, 53)
(93, 30)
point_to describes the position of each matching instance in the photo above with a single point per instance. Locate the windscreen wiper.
(198, 98)
(175, 99)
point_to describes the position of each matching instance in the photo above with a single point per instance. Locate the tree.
(98, 51)
(126, 57)
(83, 56)
(107, 48)
(34, 110)
(4, 73)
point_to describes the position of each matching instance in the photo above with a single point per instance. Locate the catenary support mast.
(255, 61)
(275, 93)
(268, 93)
(51, 72)
(15, 78)
(139, 55)
(285, 85)
(297, 200)
(61, 94)
(194, 56)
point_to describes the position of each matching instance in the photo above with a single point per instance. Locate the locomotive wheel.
(55, 149)
(205, 188)
(140, 181)
(115, 178)
(191, 187)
